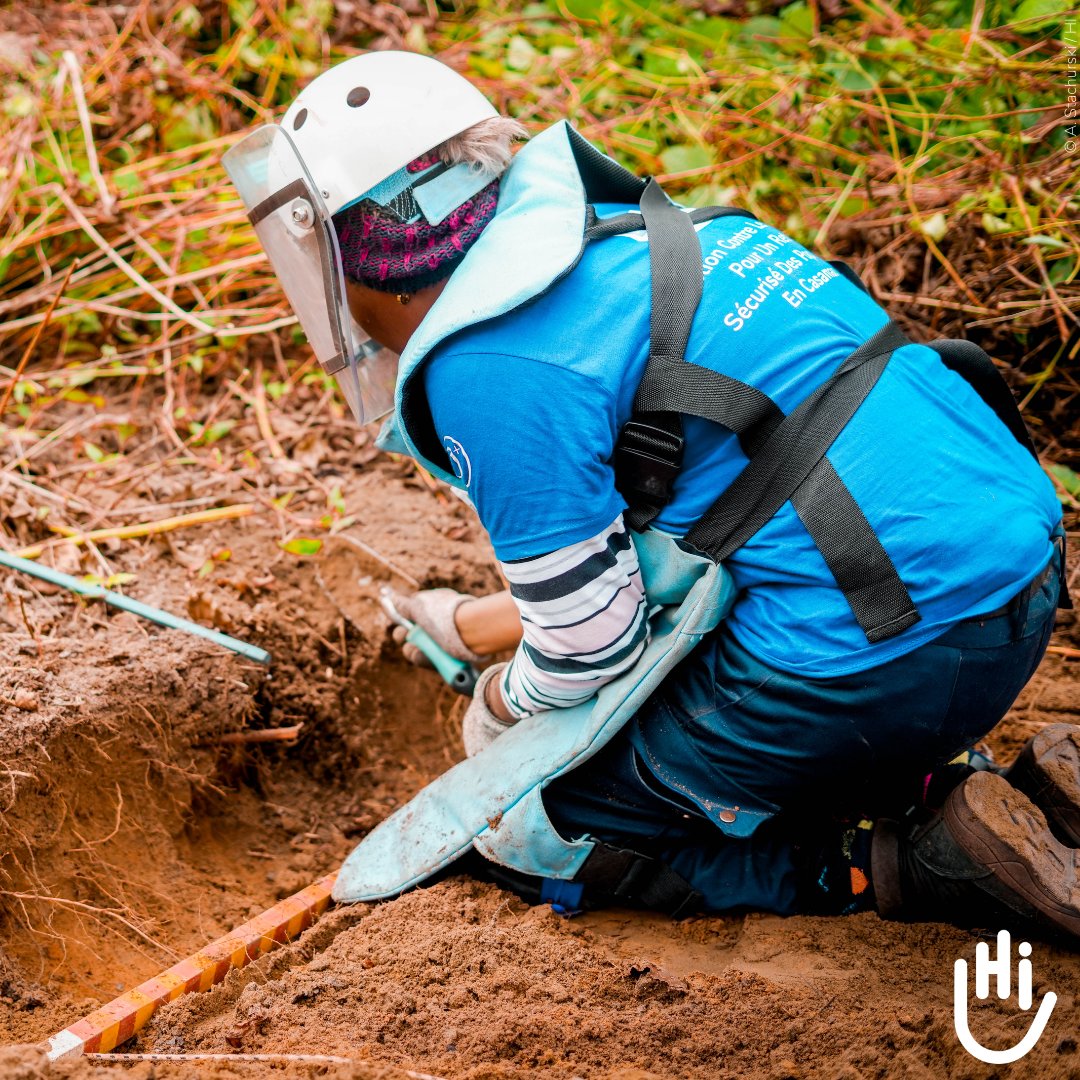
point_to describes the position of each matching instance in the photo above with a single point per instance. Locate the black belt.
(1025, 594)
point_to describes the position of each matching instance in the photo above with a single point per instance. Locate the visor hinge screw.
(302, 215)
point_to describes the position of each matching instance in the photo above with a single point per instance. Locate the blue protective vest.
(493, 801)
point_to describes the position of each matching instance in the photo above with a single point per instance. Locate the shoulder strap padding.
(604, 180)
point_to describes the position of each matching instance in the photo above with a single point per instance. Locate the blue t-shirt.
(529, 405)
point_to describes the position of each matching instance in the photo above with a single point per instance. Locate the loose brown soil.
(129, 837)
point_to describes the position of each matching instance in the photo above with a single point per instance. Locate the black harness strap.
(631, 221)
(617, 876)
(649, 452)
(858, 562)
(793, 450)
(677, 277)
(861, 566)
(597, 229)
(699, 391)
(976, 368)
(648, 455)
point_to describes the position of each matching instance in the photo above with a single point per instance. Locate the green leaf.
(127, 182)
(850, 77)
(677, 159)
(1041, 13)
(1062, 270)
(935, 226)
(895, 46)
(81, 397)
(303, 545)
(670, 63)
(994, 225)
(1047, 241)
(591, 10)
(854, 204)
(798, 19)
(520, 55)
(718, 29)
(109, 582)
(211, 433)
(1066, 478)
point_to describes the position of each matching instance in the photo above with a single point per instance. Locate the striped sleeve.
(584, 621)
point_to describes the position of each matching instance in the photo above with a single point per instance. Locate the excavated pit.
(129, 837)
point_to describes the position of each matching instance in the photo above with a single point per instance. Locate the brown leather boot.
(986, 859)
(1048, 773)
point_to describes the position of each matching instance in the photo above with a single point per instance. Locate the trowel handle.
(460, 675)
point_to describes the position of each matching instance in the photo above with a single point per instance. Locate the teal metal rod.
(125, 603)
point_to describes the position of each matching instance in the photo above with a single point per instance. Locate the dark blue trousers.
(734, 771)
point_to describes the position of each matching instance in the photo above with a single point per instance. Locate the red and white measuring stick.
(116, 1022)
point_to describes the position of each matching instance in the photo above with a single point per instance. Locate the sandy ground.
(129, 837)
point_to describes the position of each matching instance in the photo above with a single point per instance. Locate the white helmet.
(352, 128)
(371, 115)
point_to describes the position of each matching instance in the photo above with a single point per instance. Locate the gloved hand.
(480, 726)
(433, 610)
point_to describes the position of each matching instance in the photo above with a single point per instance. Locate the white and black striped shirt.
(584, 621)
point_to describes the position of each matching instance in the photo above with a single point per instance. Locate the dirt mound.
(465, 981)
(27, 1062)
(131, 835)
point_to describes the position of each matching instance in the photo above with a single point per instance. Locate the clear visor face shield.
(295, 230)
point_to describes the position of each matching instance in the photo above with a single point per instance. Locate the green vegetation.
(927, 142)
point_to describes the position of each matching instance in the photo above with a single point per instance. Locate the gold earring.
(404, 297)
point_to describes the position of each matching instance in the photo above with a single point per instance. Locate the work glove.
(480, 727)
(433, 610)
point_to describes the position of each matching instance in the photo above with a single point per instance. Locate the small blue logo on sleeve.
(459, 460)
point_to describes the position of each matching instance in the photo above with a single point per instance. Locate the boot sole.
(1001, 829)
(1048, 772)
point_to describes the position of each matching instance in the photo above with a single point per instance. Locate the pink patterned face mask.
(383, 252)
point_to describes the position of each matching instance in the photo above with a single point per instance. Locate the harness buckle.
(647, 461)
